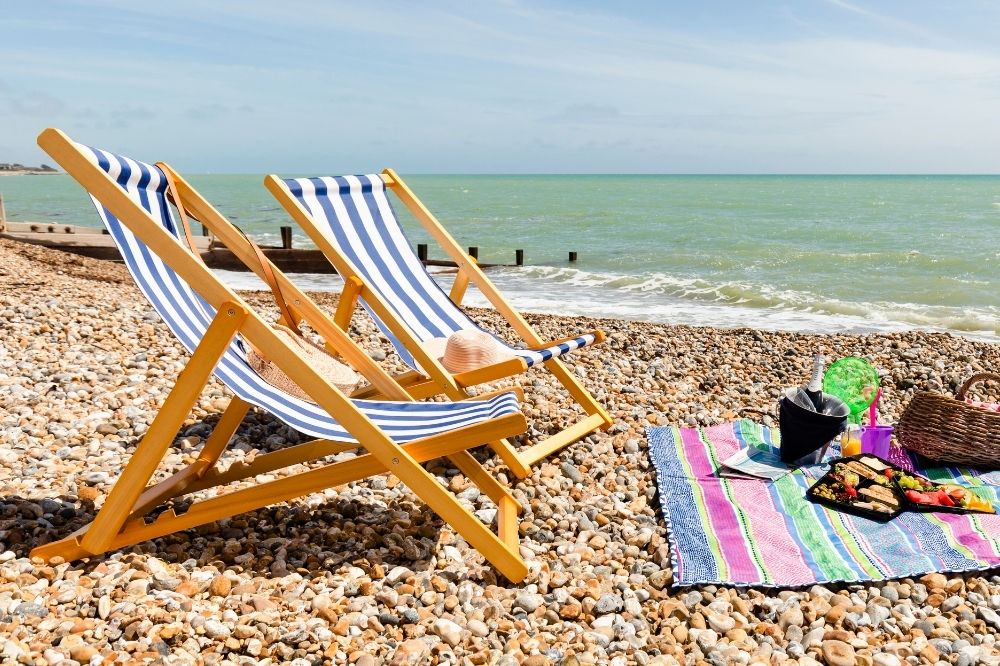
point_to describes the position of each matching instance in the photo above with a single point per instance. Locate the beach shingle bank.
(365, 573)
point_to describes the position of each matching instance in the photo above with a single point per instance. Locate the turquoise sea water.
(809, 253)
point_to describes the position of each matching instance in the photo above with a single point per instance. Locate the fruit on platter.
(852, 484)
(922, 491)
(967, 499)
(936, 498)
(908, 482)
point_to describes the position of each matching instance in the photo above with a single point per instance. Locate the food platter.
(857, 485)
(869, 486)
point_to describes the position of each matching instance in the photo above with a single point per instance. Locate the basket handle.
(972, 380)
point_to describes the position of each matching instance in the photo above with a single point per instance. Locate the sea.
(799, 252)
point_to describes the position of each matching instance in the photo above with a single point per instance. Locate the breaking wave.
(665, 298)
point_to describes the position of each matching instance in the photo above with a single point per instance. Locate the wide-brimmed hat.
(339, 374)
(466, 350)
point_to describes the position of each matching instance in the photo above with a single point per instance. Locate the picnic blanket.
(749, 532)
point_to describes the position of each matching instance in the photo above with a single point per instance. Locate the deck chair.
(217, 326)
(351, 220)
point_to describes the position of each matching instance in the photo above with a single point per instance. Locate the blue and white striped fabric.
(188, 316)
(354, 213)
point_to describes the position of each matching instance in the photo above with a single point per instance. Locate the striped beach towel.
(748, 532)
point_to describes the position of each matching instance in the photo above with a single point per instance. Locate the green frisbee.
(855, 381)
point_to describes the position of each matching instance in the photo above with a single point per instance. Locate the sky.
(301, 88)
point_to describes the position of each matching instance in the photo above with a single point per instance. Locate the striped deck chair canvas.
(351, 219)
(216, 326)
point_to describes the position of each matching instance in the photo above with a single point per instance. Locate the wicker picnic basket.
(949, 430)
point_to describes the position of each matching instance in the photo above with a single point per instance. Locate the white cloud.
(516, 86)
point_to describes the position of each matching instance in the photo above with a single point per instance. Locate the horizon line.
(59, 172)
(650, 173)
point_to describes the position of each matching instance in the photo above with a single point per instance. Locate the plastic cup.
(875, 440)
(850, 442)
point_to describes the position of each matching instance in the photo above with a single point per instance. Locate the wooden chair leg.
(519, 461)
(224, 430)
(576, 389)
(179, 483)
(512, 458)
(475, 472)
(161, 433)
(348, 299)
(561, 439)
(507, 560)
(597, 417)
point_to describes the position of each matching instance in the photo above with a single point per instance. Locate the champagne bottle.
(815, 387)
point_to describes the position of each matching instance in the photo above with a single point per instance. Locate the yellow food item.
(966, 499)
(977, 504)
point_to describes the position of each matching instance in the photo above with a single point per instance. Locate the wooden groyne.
(97, 244)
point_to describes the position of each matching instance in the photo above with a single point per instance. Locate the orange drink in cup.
(850, 441)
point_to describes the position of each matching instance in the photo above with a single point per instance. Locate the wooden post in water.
(572, 256)
(519, 257)
(286, 238)
(474, 252)
(422, 251)
(3, 214)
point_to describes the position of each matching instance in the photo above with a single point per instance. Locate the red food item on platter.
(937, 498)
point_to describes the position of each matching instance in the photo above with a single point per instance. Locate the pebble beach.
(365, 573)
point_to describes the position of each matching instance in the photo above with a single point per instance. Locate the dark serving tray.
(905, 504)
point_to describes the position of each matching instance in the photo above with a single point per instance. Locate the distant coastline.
(14, 169)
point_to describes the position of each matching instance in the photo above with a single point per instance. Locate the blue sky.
(811, 86)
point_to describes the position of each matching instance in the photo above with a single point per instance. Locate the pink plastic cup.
(875, 440)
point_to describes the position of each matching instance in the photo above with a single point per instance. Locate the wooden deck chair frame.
(439, 380)
(120, 521)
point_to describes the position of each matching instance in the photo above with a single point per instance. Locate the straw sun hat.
(466, 350)
(339, 374)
